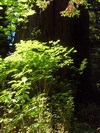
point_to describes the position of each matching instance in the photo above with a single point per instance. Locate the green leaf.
(1, 8)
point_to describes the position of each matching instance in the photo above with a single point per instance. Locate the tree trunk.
(80, 40)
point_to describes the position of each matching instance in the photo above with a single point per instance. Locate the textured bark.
(80, 40)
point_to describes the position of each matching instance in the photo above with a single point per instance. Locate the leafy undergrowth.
(28, 99)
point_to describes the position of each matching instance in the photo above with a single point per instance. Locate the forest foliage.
(33, 99)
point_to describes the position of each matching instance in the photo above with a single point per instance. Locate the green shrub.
(26, 80)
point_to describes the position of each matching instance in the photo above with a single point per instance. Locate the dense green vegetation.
(28, 87)
(27, 81)
(38, 81)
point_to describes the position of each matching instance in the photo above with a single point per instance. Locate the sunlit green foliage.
(26, 79)
(18, 11)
